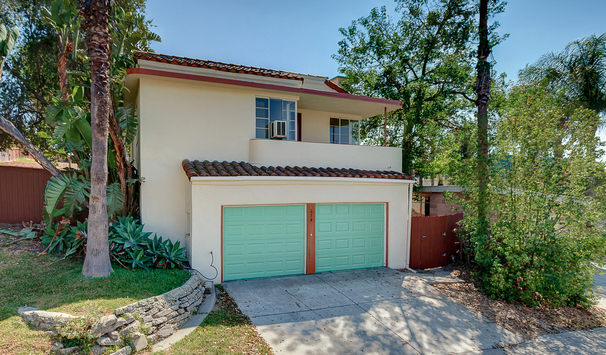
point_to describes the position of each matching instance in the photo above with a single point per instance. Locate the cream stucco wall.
(182, 119)
(271, 152)
(178, 121)
(209, 195)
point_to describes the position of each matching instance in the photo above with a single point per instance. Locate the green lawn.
(47, 283)
(224, 331)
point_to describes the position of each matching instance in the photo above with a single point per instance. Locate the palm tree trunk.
(483, 92)
(96, 14)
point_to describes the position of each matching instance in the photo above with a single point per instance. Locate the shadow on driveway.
(370, 311)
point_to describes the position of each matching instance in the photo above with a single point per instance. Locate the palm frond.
(115, 199)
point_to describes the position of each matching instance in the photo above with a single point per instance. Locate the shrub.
(129, 245)
(544, 203)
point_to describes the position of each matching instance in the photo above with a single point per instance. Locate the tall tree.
(579, 71)
(96, 24)
(483, 96)
(7, 42)
(425, 60)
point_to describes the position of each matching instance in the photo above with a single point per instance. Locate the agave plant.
(138, 258)
(127, 234)
(173, 256)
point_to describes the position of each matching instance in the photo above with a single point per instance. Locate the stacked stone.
(45, 320)
(159, 317)
(163, 315)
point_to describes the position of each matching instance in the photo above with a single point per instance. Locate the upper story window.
(343, 131)
(269, 110)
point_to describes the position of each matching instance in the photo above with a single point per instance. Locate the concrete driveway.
(370, 311)
(599, 286)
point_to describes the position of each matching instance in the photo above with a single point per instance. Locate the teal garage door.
(349, 236)
(261, 241)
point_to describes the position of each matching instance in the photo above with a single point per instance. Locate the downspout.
(410, 191)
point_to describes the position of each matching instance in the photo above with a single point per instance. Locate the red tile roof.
(215, 168)
(227, 67)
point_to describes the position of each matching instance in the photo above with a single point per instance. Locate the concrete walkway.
(371, 311)
(583, 342)
(599, 287)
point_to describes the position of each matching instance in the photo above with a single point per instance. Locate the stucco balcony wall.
(269, 152)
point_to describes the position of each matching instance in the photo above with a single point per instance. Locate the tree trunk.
(12, 131)
(483, 92)
(124, 169)
(64, 51)
(96, 13)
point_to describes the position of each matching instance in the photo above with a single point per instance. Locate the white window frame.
(269, 114)
(349, 134)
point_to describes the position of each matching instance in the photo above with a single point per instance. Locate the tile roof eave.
(221, 66)
(215, 169)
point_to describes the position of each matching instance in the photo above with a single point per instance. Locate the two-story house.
(261, 171)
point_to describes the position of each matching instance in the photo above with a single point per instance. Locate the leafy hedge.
(546, 202)
(129, 245)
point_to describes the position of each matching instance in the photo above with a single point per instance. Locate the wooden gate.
(433, 241)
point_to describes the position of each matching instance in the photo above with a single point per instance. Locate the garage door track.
(370, 311)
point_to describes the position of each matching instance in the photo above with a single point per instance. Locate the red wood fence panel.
(21, 192)
(433, 240)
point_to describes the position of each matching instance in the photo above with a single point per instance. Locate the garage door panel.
(257, 248)
(359, 242)
(342, 244)
(359, 260)
(236, 249)
(342, 226)
(323, 245)
(323, 210)
(261, 241)
(349, 236)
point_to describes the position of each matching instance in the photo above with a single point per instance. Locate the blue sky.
(301, 35)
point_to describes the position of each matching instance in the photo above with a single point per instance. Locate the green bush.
(65, 239)
(545, 205)
(129, 245)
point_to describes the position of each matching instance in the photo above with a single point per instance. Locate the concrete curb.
(205, 308)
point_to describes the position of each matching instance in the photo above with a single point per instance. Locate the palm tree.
(579, 71)
(96, 18)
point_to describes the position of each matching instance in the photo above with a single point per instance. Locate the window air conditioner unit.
(278, 129)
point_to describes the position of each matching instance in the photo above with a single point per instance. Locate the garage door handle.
(424, 236)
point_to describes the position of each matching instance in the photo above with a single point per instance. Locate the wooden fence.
(433, 241)
(21, 192)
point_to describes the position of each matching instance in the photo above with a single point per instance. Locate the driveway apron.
(370, 311)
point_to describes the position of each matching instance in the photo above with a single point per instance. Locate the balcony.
(269, 152)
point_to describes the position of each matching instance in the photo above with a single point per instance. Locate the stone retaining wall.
(140, 324)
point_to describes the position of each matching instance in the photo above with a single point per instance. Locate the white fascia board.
(288, 179)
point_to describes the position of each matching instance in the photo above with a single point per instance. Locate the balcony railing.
(269, 152)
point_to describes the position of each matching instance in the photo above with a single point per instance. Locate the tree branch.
(10, 129)
(26, 84)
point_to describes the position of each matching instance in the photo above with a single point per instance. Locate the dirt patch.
(526, 322)
(10, 244)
